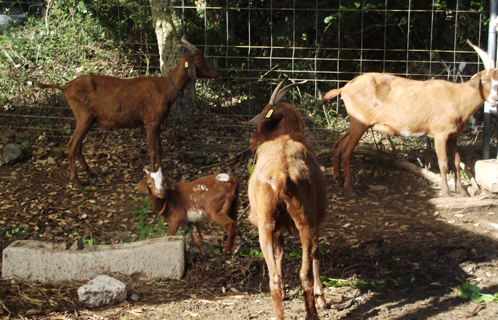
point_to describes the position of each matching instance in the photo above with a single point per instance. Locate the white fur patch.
(408, 133)
(223, 177)
(493, 94)
(196, 215)
(200, 187)
(158, 179)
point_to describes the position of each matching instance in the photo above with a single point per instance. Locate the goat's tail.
(43, 86)
(330, 95)
(280, 184)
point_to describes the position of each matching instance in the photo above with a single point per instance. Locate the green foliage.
(146, 229)
(370, 285)
(16, 231)
(296, 254)
(365, 284)
(70, 42)
(90, 241)
(334, 282)
(252, 253)
(474, 292)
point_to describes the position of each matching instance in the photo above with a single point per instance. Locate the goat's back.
(209, 192)
(286, 174)
(391, 104)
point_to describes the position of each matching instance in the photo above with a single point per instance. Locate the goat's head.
(487, 79)
(277, 118)
(196, 65)
(155, 184)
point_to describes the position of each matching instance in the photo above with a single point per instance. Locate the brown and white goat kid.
(129, 103)
(399, 106)
(213, 197)
(287, 193)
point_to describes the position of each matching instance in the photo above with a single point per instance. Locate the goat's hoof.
(353, 194)
(320, 303)
(338, 181)
(78, 186)
(90, 175)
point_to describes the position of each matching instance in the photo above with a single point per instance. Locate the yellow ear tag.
(186, 64)
(269, 113)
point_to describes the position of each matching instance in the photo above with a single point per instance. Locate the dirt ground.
(411, 255)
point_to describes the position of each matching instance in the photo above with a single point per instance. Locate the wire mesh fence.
(254, 43)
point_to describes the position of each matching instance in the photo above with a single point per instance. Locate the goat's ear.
(190, 69)
(475, 80)
(142, 186)
(170, 184)
(273, 114)
(256, 120)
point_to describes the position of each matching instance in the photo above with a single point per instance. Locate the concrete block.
(33, 260)
(486, 172)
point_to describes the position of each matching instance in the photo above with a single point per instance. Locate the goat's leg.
(440, 143)
(153, 140)
(337, 155)
(320, 302)
(157, 147)
(79, 154)
(455, 160)
(306, 274)
(278, 246)
(356, 130)
(230, 227)
(197, 237)
(266, 229)
(174, 224)
(83, 125)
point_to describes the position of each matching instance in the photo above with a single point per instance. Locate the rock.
(102, 290)
(487, 174)
(12, 152)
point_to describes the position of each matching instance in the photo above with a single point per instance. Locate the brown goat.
(129, 103)
(213, 197)
(399, 106)
(287, 193)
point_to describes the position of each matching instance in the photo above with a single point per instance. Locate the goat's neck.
(469, 99)
(178, 75)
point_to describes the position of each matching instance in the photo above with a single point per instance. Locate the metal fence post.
(492, 54)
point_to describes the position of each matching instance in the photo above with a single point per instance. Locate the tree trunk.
(167, 26)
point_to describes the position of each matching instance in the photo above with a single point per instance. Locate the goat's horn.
(146, 171)
(187, 45)
(486, 59)
(275, 92)
(284, 90)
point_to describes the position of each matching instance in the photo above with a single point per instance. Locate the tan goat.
(399, 106)
(287, 193)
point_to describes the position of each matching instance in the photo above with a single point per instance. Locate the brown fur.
(218, 200)
(127, 103)
(288, 193)
(400, 106)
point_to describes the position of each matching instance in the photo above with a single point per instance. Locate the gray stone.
(41, 261)
(102, 290)
(12, 152)
(487, 174)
